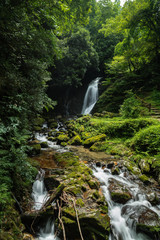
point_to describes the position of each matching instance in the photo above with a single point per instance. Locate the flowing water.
(91, 97)
(122, 224)
(39, 192)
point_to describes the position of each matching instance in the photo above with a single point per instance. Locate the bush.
(147, 140)
(131, 107)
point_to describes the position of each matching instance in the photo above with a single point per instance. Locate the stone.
(44, 145)
(110, 165)
(115, 171)
(144, 165)
(119, 192)
(98, 164)
(76, 140)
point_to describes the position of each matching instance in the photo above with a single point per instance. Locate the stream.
(122, 216)
(123, 224)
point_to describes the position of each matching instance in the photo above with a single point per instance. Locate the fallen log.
(54, 195)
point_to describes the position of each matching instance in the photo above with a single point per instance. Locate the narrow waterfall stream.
(91, 96)
(40, 196)
(122, 221)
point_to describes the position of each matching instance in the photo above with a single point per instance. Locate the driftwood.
(54, 195)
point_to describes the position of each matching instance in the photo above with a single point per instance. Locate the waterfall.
(39, 192)
(48, 233)
(123, 225)
(91, 97)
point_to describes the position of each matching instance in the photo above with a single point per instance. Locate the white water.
(91, 97)
(47, 233)
(39, 192)
(123, 227)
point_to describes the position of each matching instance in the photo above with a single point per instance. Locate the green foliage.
(147, 140)
(131, 107)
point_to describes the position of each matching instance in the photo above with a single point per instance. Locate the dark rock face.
(119, 192)
(110, 165)
(51, 183)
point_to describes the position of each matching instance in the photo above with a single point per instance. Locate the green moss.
(90, 141)
(52, 139)
(144, 179)
(93, 184)
(44, 145)
(63, 138)
(120, 197)
(36, 149)
(95, 195)
(80, 202)
(76, 140)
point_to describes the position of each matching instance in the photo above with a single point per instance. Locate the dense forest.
(50, 51)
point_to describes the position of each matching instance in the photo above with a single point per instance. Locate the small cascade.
(122, 223)
(47, 232)
(91, 97)
(39, 192)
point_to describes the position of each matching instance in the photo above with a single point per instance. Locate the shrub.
(147, 140)
(131, 107)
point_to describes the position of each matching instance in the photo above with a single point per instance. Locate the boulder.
(76, 140)
(44, 145)
(115, 171)
(144, 166)
(119, 192)
(146, 220)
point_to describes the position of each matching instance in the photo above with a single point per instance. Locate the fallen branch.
(54, 195)
(79, 227)
(60, 220)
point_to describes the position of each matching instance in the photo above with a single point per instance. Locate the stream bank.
(82, 194)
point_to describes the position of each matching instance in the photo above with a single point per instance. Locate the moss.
(104, 209)
(36, 149)
(44, 145)
(152, 231)
(64, 144)
(120, 197)
(90, 141)
(93, 184)
(63, 138)
(80, 202)
(144, 179)
(37, 128)
(76, 140)
(39, 121)
(95, 195)
(52, 139)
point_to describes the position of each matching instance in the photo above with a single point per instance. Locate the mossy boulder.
(76, 140)
(119, 192)
(44, 145)
(62, 138)
(52, 139)
(52, 123)
(90, 141)
(38, 121)
(132, 167)
(36, 149)
(145, 179)
(144, 165)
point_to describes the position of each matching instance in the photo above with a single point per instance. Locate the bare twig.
(60, 220)
(79, 227)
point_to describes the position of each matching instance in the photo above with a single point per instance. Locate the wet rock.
(145, 179)
(147, 221)
(110, 165)
(93, 184)
(115, 171)
(98, 164)
(51, 183)
(62, 138)
(36, 149)
(119, 192)
(44, 145)
(152, 198)
(144, 165)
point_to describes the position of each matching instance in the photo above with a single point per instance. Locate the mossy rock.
(145, 179)
(132, 167)
(38, 121)
(52, 139)
(75, 141)
(120, 197)
(90, 141)
(52, 123)
(37, 128)
(36, 149)
(97, 147)
(62, 138)
(44, 145)
(144, 165)
(93, 184)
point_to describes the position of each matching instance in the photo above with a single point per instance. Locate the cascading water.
(123, 225)
(91, 97)
(39, 192)
(40, 196)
